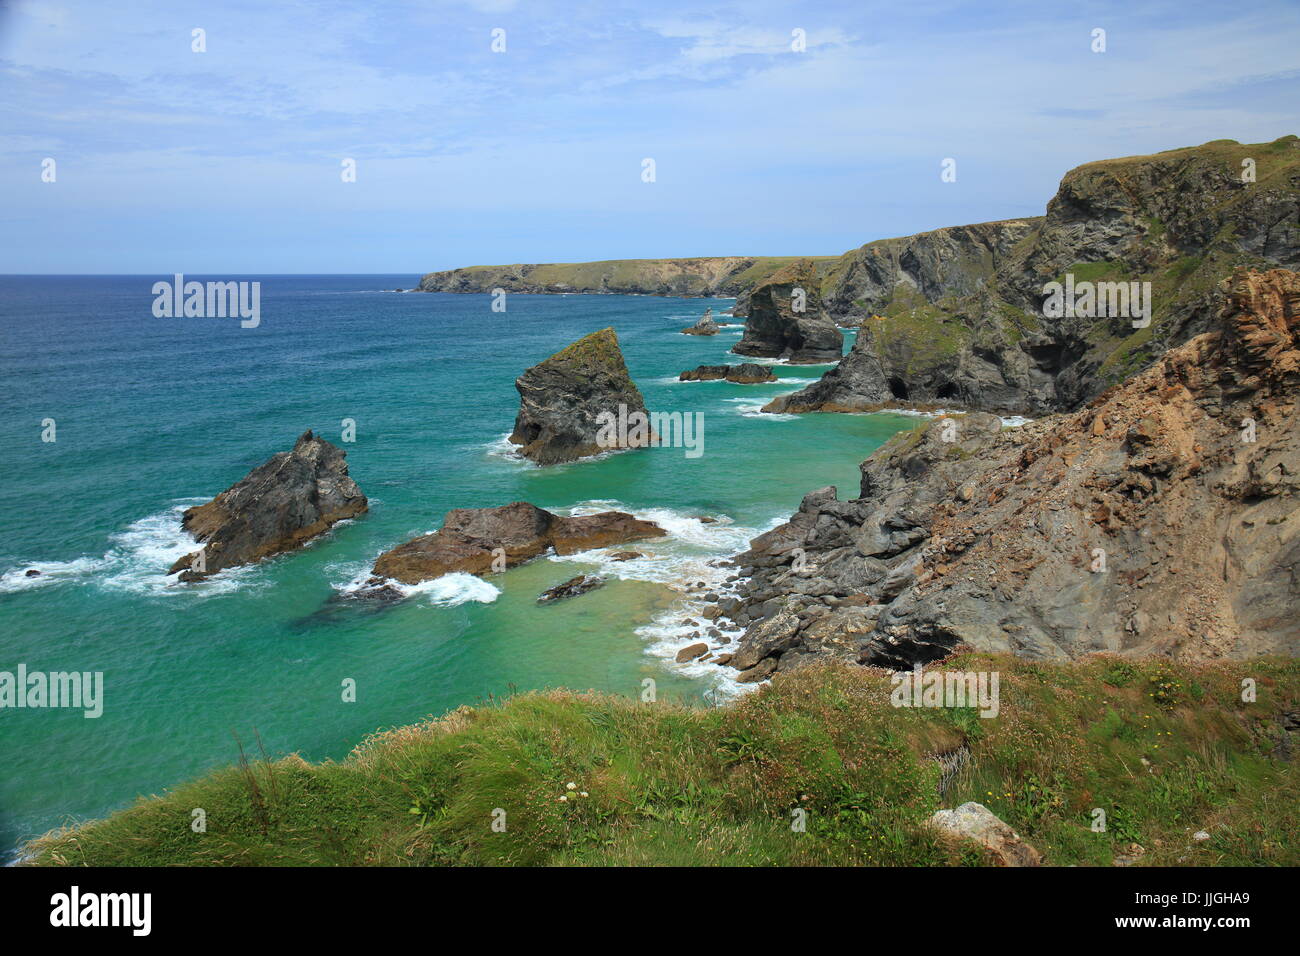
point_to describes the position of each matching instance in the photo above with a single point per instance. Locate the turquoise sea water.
(153, 415)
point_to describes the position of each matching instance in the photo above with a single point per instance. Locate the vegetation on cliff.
(1167, 750)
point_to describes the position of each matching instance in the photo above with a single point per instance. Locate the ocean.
(151, 415)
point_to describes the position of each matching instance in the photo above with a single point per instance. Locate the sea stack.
(705, 326)
(277, 507)
(567, 401)
(786, 321)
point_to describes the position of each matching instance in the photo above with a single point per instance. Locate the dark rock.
(705, 326)
(571, 404)
(278, 507)
(626, 555)
(760, 671)
(747, 373)
(32, 573)
(785, 319)
(570, 588)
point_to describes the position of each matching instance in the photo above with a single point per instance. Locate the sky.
(231, 160)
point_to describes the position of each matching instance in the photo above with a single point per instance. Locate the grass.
(1164, 749)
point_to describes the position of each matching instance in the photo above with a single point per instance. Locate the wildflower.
(564, 799)
(570, 786)
(584, 794)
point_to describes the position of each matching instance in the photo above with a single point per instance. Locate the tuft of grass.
(816, 769)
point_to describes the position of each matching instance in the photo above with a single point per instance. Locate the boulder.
(974, 821)
(691, 651)
(279, 506)
(568, 402)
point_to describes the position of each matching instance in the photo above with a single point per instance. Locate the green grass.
(1164, 749)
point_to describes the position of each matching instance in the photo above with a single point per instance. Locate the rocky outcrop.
(976, 822)
(957, 317)
(567, 402)
(479, 540)
(1159, 519)
(747, 373)
(785, 319)
(570, 588)
(277, 507)
(856, 384)
(705, 326)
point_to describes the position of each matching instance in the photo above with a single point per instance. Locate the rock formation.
(1159, 519)
(974, 821)
(279, 506)
(960, 317)
(705, 326)
(570, 588)
(785, 319)
(563, 399)
(961, 310)
(479, 540)
(747, 373)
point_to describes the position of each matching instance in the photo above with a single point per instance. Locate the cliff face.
(786, 321)
(277, 507)
(562, 400)
(1180, 221)
(1161, 518)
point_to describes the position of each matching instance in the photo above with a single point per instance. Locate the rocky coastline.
(1158, 520)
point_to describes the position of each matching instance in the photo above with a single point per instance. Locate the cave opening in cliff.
(948, 390)
(898, 388)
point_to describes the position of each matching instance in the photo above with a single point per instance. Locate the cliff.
(706, 276)
(1158, 520)
(965, 323)
(591, 779)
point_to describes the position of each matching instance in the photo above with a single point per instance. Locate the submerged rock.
(32, 573)
(747, 373)
(785, 320)
(479, 540)
(705, 326)
(567, 401)
(278, 507)
(570, 588)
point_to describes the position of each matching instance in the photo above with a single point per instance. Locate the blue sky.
(228, 161)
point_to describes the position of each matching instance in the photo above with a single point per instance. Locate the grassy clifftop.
(1164, 749)
(718, 275)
